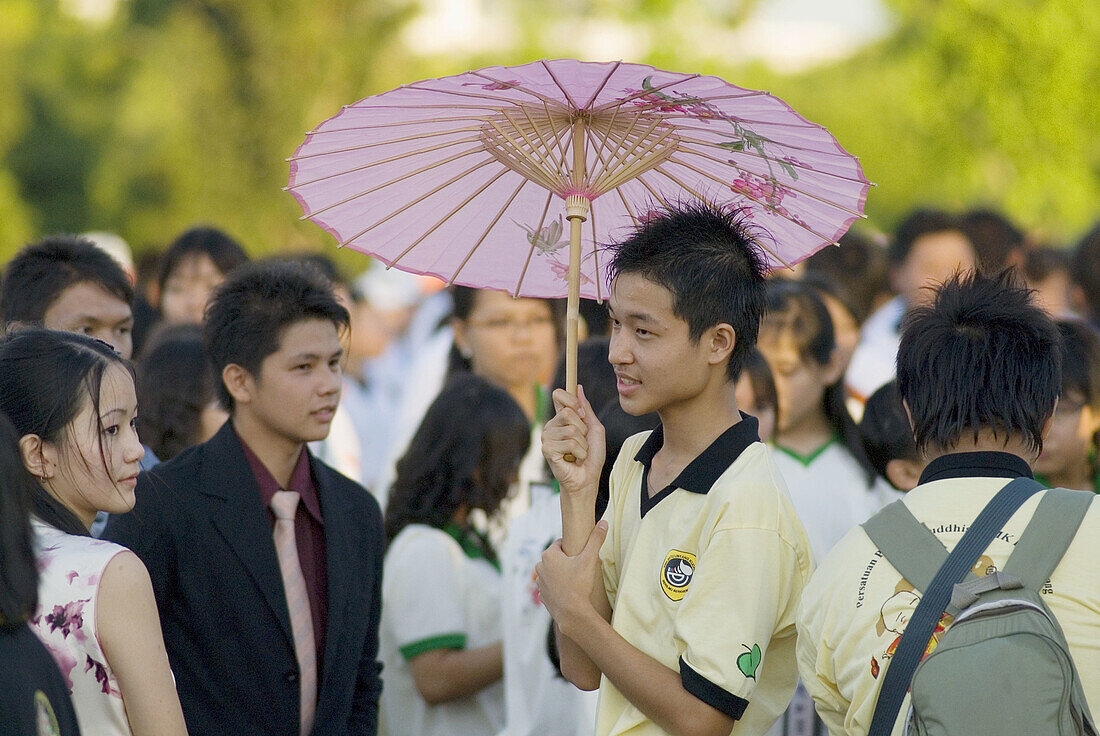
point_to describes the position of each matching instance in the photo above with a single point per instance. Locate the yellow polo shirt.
(705, 577)
(856, 607)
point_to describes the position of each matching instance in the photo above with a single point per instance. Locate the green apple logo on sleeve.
(749, 661)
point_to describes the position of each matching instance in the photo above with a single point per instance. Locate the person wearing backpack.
(1014, 647)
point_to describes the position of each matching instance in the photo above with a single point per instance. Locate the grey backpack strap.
(1048, 535)
(908, 545)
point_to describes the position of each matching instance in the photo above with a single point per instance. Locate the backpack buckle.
(965, 594)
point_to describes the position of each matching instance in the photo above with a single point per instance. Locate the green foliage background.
(173, 112)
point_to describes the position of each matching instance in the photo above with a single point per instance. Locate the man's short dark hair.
(993, 236)
(982, 356)
(247, 313)
(709, 262)
(1086, 270)
(916, 225)
(223, 251)
(884, 429)
(39, 273)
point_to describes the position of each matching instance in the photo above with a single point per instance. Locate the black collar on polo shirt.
(975, 465)
(708, 466)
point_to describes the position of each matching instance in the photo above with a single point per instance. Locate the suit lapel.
(241, 518)
(341, 560)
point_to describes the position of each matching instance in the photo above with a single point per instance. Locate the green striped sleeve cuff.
(442, 641)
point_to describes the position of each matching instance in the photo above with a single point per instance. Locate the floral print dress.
(70, 569)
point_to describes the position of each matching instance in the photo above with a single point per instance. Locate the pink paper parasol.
(484, 178)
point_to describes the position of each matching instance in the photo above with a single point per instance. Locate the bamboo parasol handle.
(577, 208)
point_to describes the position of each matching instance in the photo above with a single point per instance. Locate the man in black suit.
(270, 619)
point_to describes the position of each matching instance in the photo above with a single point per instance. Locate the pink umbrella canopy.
(470, 178)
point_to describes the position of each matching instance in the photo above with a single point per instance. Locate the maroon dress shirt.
(309, 533)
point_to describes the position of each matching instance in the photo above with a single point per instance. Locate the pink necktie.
(285, 504)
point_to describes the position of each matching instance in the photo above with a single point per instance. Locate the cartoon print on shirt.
(898, 608)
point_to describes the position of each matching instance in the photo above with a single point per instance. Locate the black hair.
(175, 384)
(618, 427)
(594, 372)
(1081, 363)
(709, 262)
(39, 273)
(18, 569)
(797, 308)
(463, 299)
(45, 377)
(466, 453)
(247, 312)
(1086, 270)
(858, 267)
(225, 252)
(322, 263)
(993, 236)
(885, 429)
(763, 382)
(982, 356)
(916, 225)
(1042, 262)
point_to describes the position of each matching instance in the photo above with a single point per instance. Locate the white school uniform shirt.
(873, 362)
(830, 492)
(436, 596)
(538, 700)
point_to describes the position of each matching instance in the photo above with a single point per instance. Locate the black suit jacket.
(201, 529)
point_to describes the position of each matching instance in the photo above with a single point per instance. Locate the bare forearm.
(578, 516)
(653, 688)
(443, 675)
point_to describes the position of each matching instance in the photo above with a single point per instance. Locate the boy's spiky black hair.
(711, 264)
(981, 356)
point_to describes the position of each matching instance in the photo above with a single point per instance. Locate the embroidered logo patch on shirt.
(676, 573)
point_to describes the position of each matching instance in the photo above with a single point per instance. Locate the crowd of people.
(245, 496)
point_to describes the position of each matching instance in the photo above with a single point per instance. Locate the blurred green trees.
(165, 113)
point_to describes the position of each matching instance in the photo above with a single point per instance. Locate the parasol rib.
(555, 137)
(464, 93)
(524, 164)
(754, 154)
(421, 121)
(379, 162)
(701, 198)
(448, 216)
(531, 250)
(375, 144)
(763, 204)
(595, 256)
(640, 164)
(381, 143)
(418, 200)
(545, 99)
(626, 205)
(656, 195)
(619, 167)
(559, 138)
(564, 91)
(785, 146)
(536, 149)
(642, 93)
(608, 128)
(791, 187)
(408, 175)
(606, 79)
(477, 245)
(622, 149)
